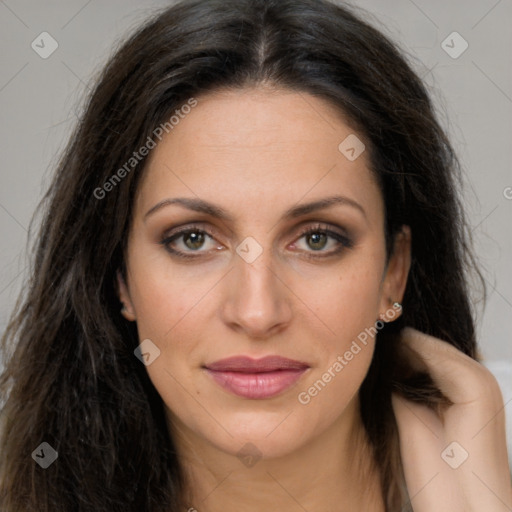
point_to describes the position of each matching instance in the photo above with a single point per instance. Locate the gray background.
(39, 100)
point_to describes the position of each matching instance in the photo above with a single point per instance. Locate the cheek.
(330, 391)
(343, 301)
(166, 297)
(348, 305)
(171, 311)
(175, 309)
(352, 299)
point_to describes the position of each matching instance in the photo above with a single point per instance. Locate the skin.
(256, 153)
(475, 422)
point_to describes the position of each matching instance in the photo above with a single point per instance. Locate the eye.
(322, 240)
(190, 242)
(315, 242)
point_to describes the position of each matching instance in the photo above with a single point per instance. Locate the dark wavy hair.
(71, 378)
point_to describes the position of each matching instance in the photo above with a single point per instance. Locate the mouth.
(256, 379)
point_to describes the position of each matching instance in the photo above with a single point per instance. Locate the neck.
(334, 471)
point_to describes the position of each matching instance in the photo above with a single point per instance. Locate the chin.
(269, 434)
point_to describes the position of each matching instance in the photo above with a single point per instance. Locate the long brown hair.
(71, 378)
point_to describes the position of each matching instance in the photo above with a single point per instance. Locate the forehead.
(259, 147)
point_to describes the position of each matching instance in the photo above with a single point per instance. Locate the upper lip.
(248, 365)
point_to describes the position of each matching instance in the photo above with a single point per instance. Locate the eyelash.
(344, 241)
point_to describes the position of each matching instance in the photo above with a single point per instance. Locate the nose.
(257, 302)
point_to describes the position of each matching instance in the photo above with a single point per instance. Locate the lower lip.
(257, 385)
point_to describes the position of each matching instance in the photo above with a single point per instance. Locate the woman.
(249, 289)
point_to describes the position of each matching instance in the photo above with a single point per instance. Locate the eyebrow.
(199, 205)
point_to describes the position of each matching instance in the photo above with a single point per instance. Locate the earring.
(123, 309)
(390, 314)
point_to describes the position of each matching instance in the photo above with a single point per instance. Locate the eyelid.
(343, 239)
(189, 226)
(176, 232)
(213, 232)
(341, 236)
(199, 226)
(307, 226)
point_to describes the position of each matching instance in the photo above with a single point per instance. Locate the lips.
(256, 378)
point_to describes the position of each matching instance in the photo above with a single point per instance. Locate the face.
(255, 236)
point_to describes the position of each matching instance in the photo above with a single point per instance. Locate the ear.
(124, 296)
(397, 271)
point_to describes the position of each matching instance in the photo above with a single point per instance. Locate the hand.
(455, 459)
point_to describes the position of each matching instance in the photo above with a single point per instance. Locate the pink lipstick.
(256, 379)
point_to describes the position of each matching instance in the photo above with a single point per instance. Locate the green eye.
(317, 241)
(189, 242)
(325, 242)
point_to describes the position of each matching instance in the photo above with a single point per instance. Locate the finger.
(460, 378)
(476, 420)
